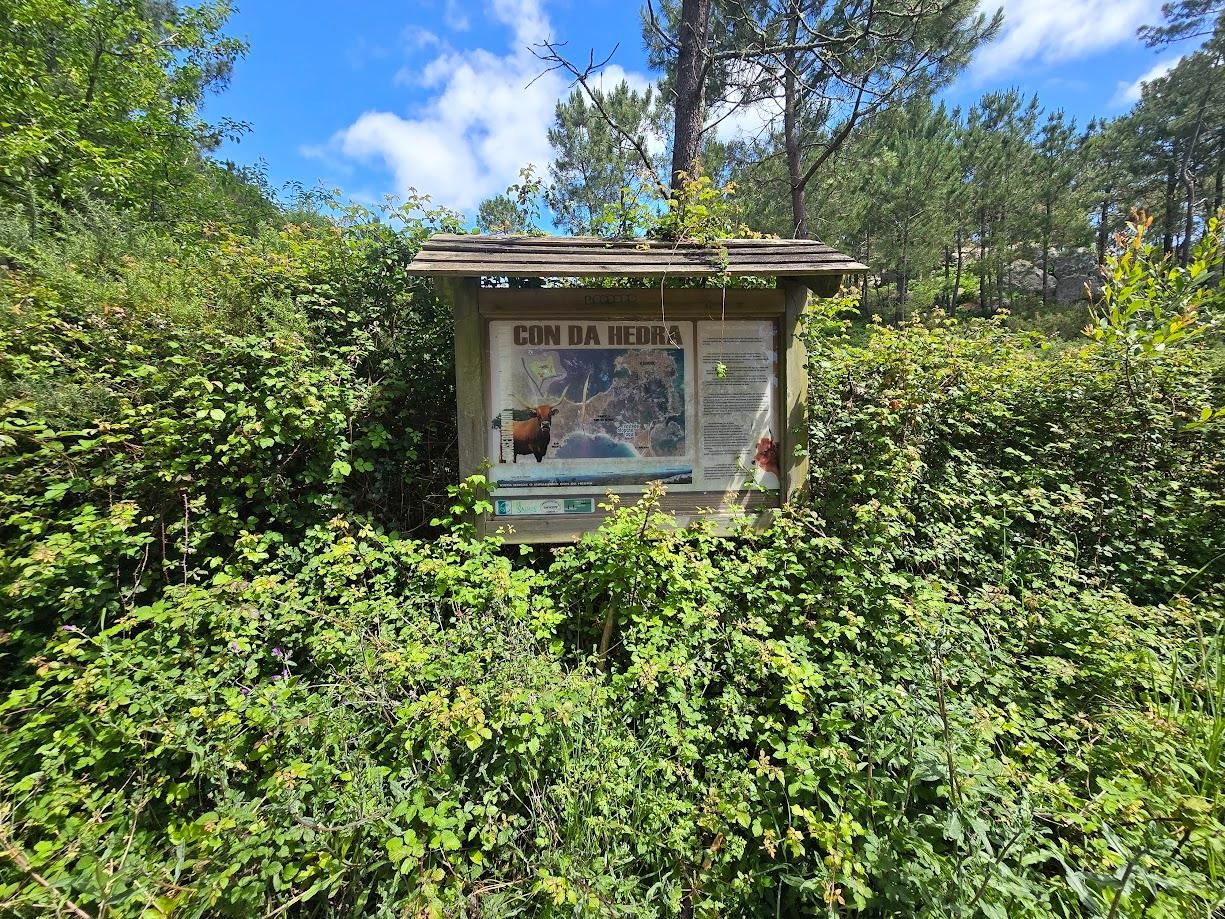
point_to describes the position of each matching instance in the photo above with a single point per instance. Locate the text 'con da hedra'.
(617, 336)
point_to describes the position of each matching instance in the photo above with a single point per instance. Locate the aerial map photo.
(596, 406)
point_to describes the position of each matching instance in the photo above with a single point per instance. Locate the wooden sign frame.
(475, 307)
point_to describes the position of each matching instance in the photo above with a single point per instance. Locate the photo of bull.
(532, 435)
(532, 424)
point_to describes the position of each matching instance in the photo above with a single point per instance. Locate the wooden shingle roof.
(589, 257)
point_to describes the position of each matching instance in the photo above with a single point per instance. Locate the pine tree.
(1058, 162)
(1000, 157)
(596, 169)
(102, 99)
(915, 171)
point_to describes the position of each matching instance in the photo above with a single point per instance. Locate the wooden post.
(793, 453)
(793, 375)
(470, 384)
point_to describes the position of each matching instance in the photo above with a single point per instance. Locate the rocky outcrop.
(1028, 278)
(1080, 262)
(1072, 277)
(1077, 289)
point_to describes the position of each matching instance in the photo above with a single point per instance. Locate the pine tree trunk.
(791, 132)
(1101, 231)
(948, 294)
(903, 283)
(1046, 249)
(1005, 272)
(982, 262)
(1171, 185)
(957, 274)
(1188, 178)
(1189, 225)
(867, 260)
(799, 209)
(690, 87)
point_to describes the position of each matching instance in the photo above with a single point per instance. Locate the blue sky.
(375, 98)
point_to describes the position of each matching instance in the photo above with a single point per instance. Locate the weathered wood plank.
(599, 241)
(823, 285)
(686, 507)
(636, 303)
(563, 256)
(568, 269)
(609, 256)
(663, 262)
(635, 314)
(470, 363)
(675, 500)
(669, 262)
(734, 252)
(553, 530)
(793, 375)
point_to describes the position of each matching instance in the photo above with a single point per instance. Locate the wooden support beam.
(822, 285)
(470, 383)
(793, 377)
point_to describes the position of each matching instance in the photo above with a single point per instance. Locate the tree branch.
(19, 859)
(663, 36)
(551, 55)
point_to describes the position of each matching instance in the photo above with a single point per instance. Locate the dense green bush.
(360, 723)
(162, 397)
(978, 673)
(989, 453)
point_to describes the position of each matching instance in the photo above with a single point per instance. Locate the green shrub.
(978, 673)
(988, 452)
(365, 724)
(161, 399)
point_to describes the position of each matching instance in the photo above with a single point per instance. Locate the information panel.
(738, 405)
(604, 405)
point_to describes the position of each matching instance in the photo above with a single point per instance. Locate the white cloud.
(362, 51)
(480, 121)
(1050, 31)
(609, 78)
(456, 17)
(1127, 94)
(613, 74)
(416, 43)
(747, 121)
(526, 17)
(740, 117)
(419, 39)
(329, 156)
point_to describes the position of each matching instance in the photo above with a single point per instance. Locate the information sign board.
(597, 404)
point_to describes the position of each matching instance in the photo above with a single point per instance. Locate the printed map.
(614, 403)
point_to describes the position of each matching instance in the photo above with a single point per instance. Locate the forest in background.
(1003, 205)
(253, 661)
